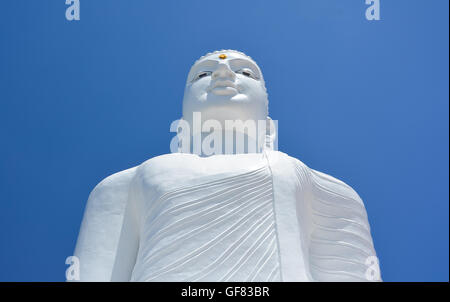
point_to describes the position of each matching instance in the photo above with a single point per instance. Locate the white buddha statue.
(245, 216)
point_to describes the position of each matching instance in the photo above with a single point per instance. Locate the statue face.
(225, 86)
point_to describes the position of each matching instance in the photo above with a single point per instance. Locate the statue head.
(225, 85)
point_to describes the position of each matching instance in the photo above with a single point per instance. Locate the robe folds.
(241, 217)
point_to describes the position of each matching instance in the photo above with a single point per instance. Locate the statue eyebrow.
(201, 66)
(206, 63)
(248, 62)
(239, 60)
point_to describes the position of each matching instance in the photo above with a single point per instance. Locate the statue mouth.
(223, 88)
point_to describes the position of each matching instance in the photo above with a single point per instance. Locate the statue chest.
(208, 219)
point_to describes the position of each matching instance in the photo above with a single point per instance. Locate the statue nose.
(223, 71)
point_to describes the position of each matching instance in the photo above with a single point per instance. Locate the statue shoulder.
(323, 180)
(333, 184)
(169, 159)
(114, 184)
(118, 183)
(121, 180)
(279, 155)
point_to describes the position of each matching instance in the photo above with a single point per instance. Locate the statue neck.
(238, 138)
(224, 142)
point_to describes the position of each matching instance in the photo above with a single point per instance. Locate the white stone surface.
(228, 217)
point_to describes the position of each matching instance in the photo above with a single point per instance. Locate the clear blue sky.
(366, 102)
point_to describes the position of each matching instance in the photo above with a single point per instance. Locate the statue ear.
(271, 134)
(176, 144)
(180, 142)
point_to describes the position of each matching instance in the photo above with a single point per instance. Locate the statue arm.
(99, 236)
(340, 245)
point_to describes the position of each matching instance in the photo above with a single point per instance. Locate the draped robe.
(241, 217)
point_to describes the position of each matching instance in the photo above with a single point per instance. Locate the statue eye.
(202, 74)
(247, 72)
